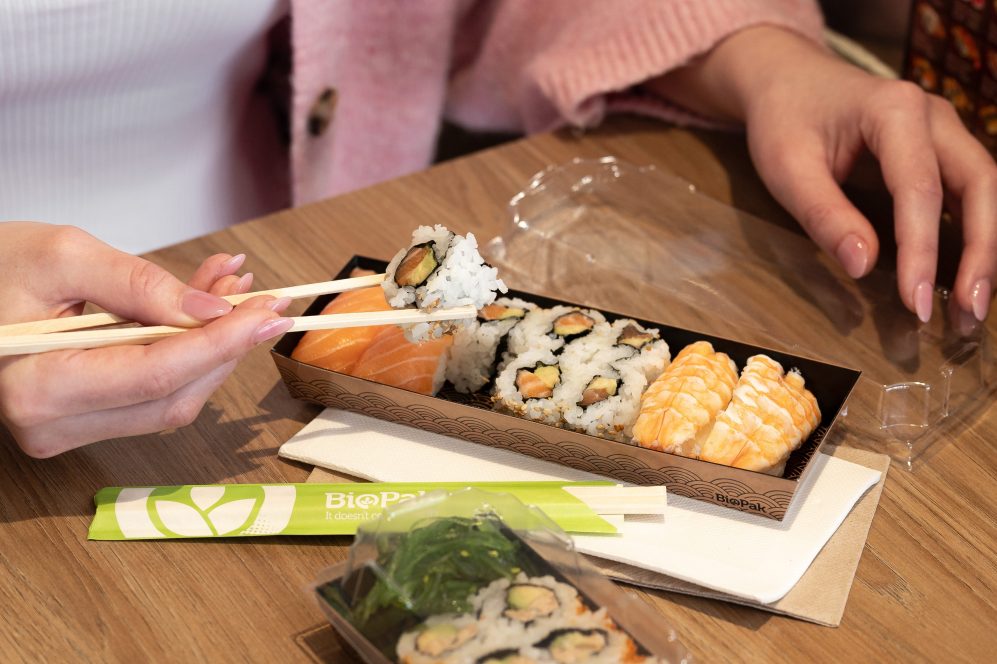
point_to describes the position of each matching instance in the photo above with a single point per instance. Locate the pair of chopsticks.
(71, 331)
(621, 500)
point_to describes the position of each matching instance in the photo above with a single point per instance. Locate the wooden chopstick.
(622, 499)
(41, 343)
(104, 319)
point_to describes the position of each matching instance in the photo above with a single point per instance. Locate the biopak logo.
(204, 511)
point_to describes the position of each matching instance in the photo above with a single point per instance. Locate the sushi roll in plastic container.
(476, 577)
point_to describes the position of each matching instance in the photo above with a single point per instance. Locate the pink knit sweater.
(373, 78)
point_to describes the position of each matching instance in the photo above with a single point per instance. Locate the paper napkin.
(732, 552)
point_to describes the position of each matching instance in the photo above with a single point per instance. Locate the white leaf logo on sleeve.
(182, 519)
(206, 496)
(202, 513)
(275, 513)
(230, 516)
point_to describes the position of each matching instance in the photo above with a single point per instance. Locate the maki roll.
(529, 602)
(445, 638)
(440, 269)
(601, 396)
(551, 329)
(647, 350)
(477, 348)
(604, 400)
(525, 387)
(594, 639)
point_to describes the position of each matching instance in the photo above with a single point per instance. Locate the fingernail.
(233, 264)
(922, 301)
(204, 306)
(981, 299)
(245, 281)
(279, 304)
(272, 328)
(853, 254)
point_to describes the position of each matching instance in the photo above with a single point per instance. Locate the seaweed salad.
(432, 569)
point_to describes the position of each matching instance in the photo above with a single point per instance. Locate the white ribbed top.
(132, 118)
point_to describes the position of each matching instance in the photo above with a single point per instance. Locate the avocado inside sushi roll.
(528, 601)
(538, 382)
(574, 645)
(417, 265)
(598, 390)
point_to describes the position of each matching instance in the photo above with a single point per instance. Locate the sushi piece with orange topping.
(770, 415)
(339, 350)
(678, 410)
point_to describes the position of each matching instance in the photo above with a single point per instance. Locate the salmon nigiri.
(392, 359)
(339, 350)
(770, 415)
(678, 410)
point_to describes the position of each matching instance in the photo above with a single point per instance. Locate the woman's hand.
(53, 402)
(809, 116)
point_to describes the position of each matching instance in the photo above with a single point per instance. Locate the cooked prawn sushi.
(339, 350)
(392, 359)
(770, 415)
(678, 410)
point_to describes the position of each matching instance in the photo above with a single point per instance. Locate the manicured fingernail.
(272, 328)
(279, 304)
(981, 299)
(922, 301)
(204, 306)
(233, 264)
(245, 281)
(853, 254)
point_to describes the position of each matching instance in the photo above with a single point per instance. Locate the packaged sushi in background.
(477, 577)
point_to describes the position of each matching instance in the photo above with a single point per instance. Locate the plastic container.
(471, 575)
(605, 231)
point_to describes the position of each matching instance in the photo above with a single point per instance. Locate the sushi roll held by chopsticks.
(439, 269)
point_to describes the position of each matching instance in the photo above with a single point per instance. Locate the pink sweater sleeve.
(523, 65)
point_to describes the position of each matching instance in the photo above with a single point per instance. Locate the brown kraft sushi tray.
(470, 418)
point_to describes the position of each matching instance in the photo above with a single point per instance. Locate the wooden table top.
(925, 589)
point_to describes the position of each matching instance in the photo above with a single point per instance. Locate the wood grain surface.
(926, 587)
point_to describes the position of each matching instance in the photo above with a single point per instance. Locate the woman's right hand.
(56, 401)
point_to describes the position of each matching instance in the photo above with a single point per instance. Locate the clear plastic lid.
(474, 576)
(639, 241)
